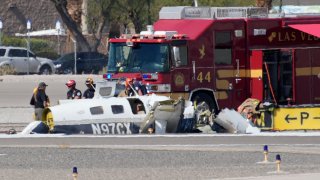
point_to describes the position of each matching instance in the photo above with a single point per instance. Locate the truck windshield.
(142, 57)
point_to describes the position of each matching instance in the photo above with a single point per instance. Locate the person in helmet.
(140, 88)
(89, 92)
(73, 92)
(132, 88)
(128, 91)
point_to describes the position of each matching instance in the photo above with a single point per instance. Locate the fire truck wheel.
(203, 102)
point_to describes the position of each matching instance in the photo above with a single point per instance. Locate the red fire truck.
(224, 55)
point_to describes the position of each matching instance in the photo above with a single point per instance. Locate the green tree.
(99, 17)
(264, 3)
(103, 15)
(136, 11)
(73, 27)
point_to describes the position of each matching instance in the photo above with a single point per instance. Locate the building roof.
(15, 13)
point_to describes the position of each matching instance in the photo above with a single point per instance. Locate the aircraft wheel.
(205, 109)
(203, 102)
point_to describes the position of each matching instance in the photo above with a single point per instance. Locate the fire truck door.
(230, 70)
(307, 75)
(230, 84)
(238, 89)
(316, 76)
(180, 75)
(255, 74)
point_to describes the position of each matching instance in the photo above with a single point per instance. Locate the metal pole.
(28, 45)
(58, 28)
(1, 26)
(59, 50)
(75, 54)
(28, 49)
(75, 57)
(195, 3)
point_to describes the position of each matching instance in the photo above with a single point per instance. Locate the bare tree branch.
(61, 7)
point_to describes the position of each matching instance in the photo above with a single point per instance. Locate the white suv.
(17, 58)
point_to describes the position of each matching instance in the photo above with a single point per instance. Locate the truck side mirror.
(176, 56)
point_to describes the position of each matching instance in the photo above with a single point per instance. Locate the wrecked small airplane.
(226, 121)
(106, 114)
(233, 122)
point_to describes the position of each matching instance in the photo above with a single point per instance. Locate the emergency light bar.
(150, 34)
(107, 76)
(150, 76)
(166, 34)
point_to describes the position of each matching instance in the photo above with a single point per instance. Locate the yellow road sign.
(296, 118)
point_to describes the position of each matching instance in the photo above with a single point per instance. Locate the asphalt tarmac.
(158, 157)
(196, 156)
(16, 92)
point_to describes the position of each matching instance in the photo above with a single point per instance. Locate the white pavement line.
(160, 146)
(271, 134)
(278, 177)
(3, 154)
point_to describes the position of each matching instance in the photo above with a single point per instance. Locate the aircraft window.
(137, 106)
(117, 109)
(96, 110)
(105, 91)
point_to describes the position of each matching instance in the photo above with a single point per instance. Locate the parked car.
(87, 63)
(17, 59)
